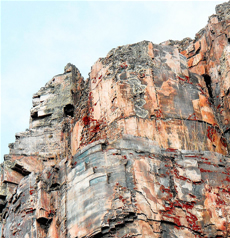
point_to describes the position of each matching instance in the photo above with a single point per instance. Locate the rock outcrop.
(140, 149)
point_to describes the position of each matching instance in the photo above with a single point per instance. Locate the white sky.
(38, 38)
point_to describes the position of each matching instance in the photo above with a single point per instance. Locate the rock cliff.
(140, 149)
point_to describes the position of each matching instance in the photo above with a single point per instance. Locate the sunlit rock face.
(140, 149)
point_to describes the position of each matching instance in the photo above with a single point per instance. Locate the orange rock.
(140, 149)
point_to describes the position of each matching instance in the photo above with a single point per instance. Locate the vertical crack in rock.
(208, 83)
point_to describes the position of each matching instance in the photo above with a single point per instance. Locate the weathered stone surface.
(208, 55)
(140, 149)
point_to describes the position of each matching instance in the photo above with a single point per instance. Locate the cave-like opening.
(208, 83)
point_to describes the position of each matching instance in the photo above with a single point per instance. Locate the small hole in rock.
(68, 110)
(42, 220)
(34, 115)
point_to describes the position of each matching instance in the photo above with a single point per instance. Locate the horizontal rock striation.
(139, 149)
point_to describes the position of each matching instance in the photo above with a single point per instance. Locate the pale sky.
(38, 38)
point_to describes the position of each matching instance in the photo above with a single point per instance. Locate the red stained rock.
(140, 149)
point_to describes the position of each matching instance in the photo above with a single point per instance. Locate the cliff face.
(140, 149)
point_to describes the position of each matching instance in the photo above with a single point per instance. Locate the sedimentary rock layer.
(139, 149)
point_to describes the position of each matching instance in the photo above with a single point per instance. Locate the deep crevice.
(2, 206)
(54, 186)
(208, 83)
(20, 169)
(44, 223)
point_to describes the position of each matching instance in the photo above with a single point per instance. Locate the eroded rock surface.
(140, 149)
